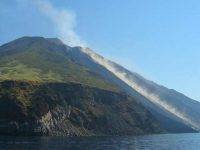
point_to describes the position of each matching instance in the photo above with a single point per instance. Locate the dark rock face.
(33, 108)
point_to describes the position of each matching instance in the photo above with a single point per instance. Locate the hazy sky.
(159, 39)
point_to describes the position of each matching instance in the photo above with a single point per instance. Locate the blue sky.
(156, 38)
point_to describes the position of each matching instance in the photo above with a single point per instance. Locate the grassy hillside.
(45, 60)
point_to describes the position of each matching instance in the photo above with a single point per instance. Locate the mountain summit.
(47, 60)
(49, 88)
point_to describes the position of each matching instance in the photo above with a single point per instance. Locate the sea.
(189, 141)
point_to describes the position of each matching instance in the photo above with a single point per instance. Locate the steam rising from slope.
(64, 21)
(150, 96)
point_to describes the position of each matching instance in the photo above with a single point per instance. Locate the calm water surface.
(154, 142)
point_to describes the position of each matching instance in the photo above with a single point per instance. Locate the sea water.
(150, 142)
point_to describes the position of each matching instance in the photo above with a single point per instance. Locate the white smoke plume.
(64, 21)
(150, 96)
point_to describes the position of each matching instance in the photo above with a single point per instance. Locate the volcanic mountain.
(49, 88)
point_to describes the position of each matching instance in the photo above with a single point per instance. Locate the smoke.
(150, 96)
(64, 21)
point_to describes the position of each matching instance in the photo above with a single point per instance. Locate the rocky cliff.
(34, 108)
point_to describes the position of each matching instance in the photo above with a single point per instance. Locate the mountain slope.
(48, 60)
(158, 99)
(88, 58)
(46, 88)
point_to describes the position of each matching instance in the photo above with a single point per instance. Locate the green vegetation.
(37, 59)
